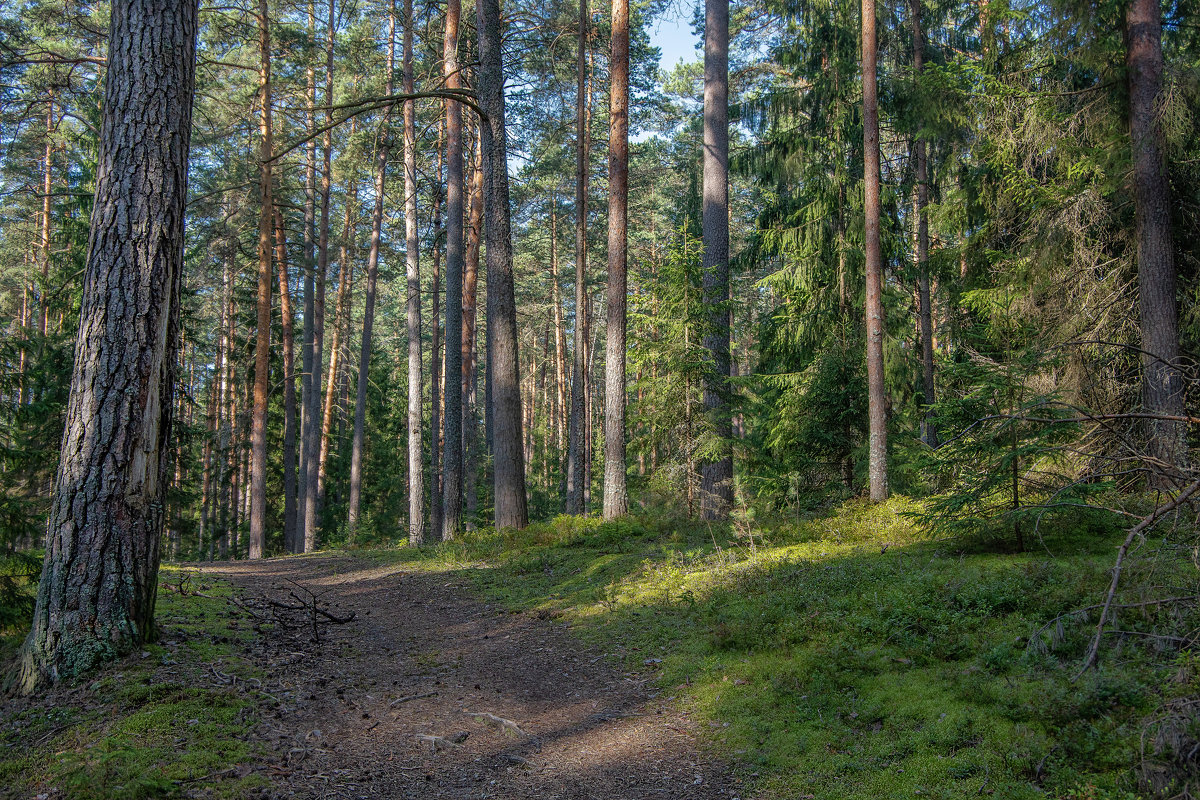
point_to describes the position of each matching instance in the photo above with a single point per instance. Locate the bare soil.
(396, 702)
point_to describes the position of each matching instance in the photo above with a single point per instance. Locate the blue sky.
(672, 34)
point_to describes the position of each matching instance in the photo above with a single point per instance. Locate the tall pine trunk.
(924, 305)
(364, 358)
(412, 253)
(1162, 381)
(95, 601)
(312, 509)
(576, 421)
(716, 475)
(876, 399)
(307, 385)
(435, 357)
(262, 349)
(505, 375)
(470, 382)
(452, 389)
(616, 496)
(289, 388)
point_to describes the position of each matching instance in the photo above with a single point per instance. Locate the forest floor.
(429, 692)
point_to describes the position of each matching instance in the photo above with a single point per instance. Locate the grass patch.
(157, 724)
(848, 656)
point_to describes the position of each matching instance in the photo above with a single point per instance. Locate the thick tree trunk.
(575, 432)
(616, 496)
(876, 398)
(924, 307)
(312, 509)
(452, 390)
(505, 376)
(716, 476)
(289, 389)
(96, 597)
(364, 358)
(1162, 381)
(262, 349)
(416, 488)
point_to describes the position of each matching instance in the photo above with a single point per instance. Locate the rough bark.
(289, 388)
(310, 270)
(335, 380)
(416, 489)
(470, 382)
(452, 390)
(876, 399)
(96, 597)
(505, 375)
(616, 495)
(716, 475)
(1162, 381)
(435, 358)
(576, 421)
(262, 348)
(924, 308)
(313, 441)
(364, 357)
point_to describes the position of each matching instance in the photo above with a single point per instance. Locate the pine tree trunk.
(435, 360)
(504, 380)
(1162, 381)
(470, 382)
(312, 508)
(262, 350)
(616, 495)
(44, 249)
(337, 345)
(95, 601)
(416, 488)
(364, 358)
(289, 388)
(560, 338)
(310, 270)
(716, 488)
(924, 307)
(876, 398)
(575, 433)
(452, 389)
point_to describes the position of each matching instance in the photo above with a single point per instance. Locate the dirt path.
(420, 652)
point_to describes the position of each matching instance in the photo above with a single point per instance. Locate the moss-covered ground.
(849, 656)
(160, 723)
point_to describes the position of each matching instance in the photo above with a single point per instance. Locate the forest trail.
(357, 710)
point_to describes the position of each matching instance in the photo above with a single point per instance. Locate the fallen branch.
(411, 697)
(505, 726)
(1134, 532)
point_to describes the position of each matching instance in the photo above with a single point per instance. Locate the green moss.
(138, 733)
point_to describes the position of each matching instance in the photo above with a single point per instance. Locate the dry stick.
(1134, 532)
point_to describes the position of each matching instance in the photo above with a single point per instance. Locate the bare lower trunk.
(262, 350)
(876, 398)
(307, 386)
(616, 496)
(289, 389)
(416, 489)
(469, 371)
(313, 442)
(435, 362)
(452, 389)
(716, 487)
(924, 307)
(1162, 381)
(505, 377)
(575, 433)
(95, 601)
